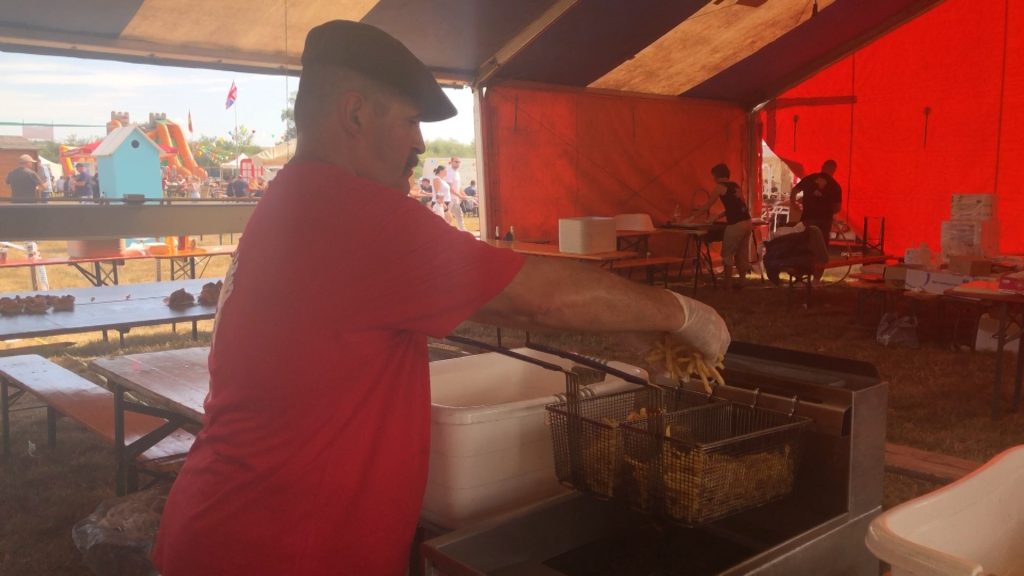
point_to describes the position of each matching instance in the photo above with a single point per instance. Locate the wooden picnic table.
(551, 250)
(171, 384)
(700, 236)
(184, 263)
(106, 308)
(1008, 305)
(103, 270)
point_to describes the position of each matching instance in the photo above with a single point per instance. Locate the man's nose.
(418, 145)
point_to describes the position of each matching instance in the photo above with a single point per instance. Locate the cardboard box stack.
(973, 229)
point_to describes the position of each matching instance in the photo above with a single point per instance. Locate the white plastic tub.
(972, 527)
(490, 449)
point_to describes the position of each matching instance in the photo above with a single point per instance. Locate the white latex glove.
(704, 330)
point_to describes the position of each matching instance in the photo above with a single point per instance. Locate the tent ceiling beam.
(522, 39)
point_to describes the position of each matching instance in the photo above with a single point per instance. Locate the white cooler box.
(490, 447)
(972, 527)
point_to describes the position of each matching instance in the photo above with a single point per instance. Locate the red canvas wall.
(553, 153)
(931, 109)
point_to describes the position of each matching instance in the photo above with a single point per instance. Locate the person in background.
(312, 457)
(61, 186)
(471, 203)
(194, 188)
(738, 225)
(427, 191)
(822, 199)
(238, 187)
(442, 194)
(24, 181)
(456, 196)
(43, 171)
(82, 183)
(421, 191)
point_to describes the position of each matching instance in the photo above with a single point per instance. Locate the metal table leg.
(1020, 371)
(1000, 344)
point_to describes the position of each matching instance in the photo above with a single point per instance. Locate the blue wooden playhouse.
(128, 162)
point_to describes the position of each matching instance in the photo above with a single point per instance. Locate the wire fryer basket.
(710, 462)
(587, 437)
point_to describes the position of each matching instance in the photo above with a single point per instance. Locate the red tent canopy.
(933, 108)
(555, 153)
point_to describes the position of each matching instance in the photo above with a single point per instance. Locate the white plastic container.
(586, 235)
(972, 527)
(95, 248)
(490, 448)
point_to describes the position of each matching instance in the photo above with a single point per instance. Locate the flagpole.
(238, 152)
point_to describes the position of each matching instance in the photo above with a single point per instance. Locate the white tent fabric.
(277, 155)
(233, 164)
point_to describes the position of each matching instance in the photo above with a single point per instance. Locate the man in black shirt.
(82, 183)
(822, 199)
(24, 181)
(238, 188)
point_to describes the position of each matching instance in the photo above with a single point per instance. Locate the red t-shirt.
(313, 455)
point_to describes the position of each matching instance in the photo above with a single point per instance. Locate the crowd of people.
(444, 194)
(29, 182)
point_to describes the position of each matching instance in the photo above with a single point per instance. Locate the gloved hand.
(704, 330)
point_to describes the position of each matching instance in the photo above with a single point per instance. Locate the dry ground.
(939, 400)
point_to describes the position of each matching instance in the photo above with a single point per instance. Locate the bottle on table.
(510, 236)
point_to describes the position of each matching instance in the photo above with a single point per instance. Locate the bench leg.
(51, 428)
(120, 336)
(195, 330)
(119, 451)
(5, 413)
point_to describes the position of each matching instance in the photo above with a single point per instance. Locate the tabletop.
(175, 380)
(986, 290)
(552, 250)
(107, 307)
(200, 252)
(219, 250)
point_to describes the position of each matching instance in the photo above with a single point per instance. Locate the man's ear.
(352, 109)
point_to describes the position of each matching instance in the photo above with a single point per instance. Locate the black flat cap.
(376, 54)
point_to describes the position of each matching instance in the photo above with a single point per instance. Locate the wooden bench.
(655, 266)
(67, 394)
(924, 465)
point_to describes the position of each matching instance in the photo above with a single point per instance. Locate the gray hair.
(319, 87)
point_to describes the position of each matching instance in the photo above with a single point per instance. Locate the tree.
(446, 148)
(288, 115)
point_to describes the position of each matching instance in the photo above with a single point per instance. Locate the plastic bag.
(895, 330)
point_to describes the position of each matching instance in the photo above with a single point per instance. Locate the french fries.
(680, 364)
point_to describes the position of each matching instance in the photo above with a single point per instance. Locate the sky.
(58, 90)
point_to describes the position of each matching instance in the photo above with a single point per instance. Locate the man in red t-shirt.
(313, 455)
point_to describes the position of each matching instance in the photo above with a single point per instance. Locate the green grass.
(939, 400)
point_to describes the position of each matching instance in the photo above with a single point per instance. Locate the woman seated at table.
(736, 240)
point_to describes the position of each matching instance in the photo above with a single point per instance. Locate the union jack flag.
(232, 96)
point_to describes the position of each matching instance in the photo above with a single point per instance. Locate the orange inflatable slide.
(169, 134)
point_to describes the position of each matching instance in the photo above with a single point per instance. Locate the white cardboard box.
(973, 207)
(490, 447)
(970, 238)
(933, 282)
(586, 235)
